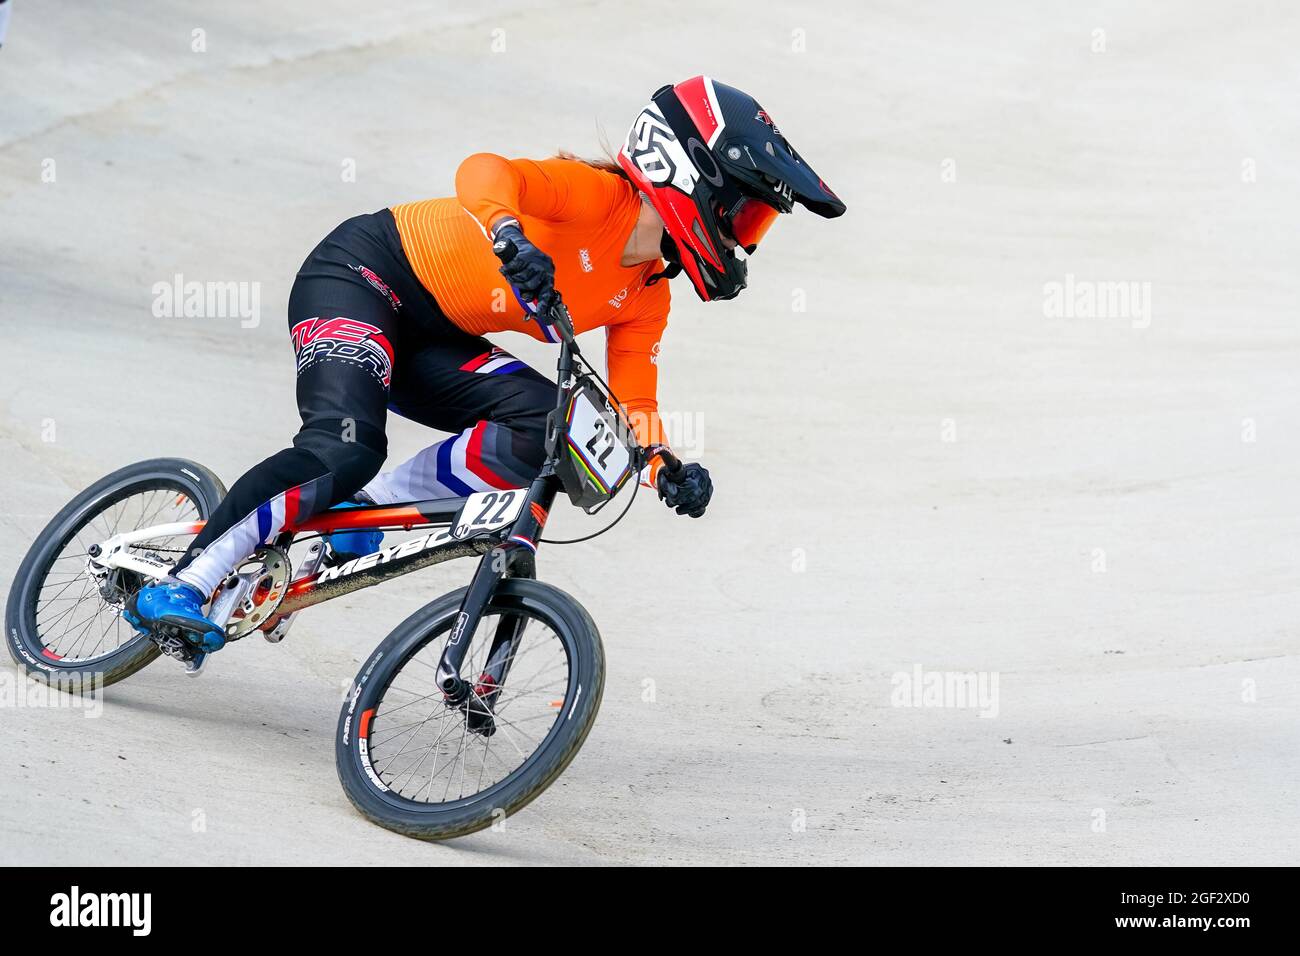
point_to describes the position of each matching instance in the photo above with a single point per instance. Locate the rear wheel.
(64, 626)
(415, 763)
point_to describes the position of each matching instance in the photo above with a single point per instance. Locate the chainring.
(269, 569)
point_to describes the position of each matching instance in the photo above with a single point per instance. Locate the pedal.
(175, 646)
(172, 642)
(195, 666)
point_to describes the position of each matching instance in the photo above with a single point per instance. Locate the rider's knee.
(527, 437)
(528, 441)
(524, 413)
(352, 451)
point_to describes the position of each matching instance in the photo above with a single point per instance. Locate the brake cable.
(595, 534)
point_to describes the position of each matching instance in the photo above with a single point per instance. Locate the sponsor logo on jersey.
(584, 257)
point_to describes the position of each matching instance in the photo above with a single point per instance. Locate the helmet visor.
(751, 222)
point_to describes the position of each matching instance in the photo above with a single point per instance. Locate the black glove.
(529, 270)
(688, 491)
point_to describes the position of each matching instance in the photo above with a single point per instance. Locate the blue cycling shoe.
(175, 604)
(347, 545)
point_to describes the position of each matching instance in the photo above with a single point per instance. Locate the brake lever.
(561, 319)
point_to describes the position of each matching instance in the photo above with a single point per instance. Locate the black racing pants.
(368, 337)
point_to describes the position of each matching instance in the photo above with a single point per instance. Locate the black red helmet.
(718, 172)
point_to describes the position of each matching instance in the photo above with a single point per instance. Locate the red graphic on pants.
(345, 340)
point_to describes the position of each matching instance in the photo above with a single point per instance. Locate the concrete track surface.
(921, 461)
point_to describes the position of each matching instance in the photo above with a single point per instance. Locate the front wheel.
(413, 762)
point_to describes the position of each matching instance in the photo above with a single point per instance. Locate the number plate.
(595, 444)
(488, 511)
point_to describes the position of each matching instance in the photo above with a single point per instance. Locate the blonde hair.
(605, 163)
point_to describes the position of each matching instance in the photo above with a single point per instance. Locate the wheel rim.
(423, 750)
(73, 619)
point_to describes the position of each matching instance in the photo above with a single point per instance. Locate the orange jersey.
(582, 218)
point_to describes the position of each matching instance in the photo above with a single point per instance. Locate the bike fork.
(514, 557)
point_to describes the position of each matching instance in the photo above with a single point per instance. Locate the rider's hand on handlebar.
(529, 270)
(687, 489)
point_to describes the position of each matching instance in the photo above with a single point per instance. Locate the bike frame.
(505, 552)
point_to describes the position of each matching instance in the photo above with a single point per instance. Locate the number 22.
(504, 499)
(602, 434)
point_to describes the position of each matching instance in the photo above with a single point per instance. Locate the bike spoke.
(430, 754)
(75, 617)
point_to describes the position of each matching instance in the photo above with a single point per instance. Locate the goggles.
(750, 223)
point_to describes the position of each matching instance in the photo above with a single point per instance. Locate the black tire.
(575, 715)
(200, 486)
